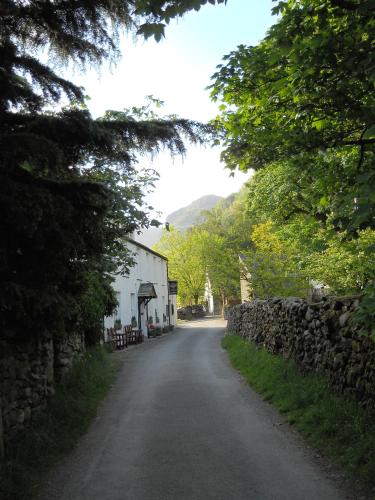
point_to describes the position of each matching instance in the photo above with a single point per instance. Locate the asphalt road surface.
(181, 424)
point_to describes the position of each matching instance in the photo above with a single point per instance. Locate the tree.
(221, 264)
(322, 186)
(306, 86)
(225, 234)
(69, 190)
(185, 264)
(302, 207)
(272, 265)
(208, 253)
(229, 219)
(302, 100)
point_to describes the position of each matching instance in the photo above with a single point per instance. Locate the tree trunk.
(223, 303)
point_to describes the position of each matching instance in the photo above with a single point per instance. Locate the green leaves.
(272, 264)
(299, 108)
(186, 264)
(70, 190)
(308, 198)
(370, 133)
(156, 14)
(306, 86)
(364, 317)
(152, 29)
(209, 251)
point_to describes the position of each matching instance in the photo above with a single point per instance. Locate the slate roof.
(147, 291)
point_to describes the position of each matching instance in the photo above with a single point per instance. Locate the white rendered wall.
(173, 309)
(148, 268)
(209, 297)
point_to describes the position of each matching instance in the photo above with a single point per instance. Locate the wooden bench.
(133, 336)
(121, 341)
(117, 339)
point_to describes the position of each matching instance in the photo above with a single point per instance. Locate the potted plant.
(150, 327)
(117, 325)
(134, 322)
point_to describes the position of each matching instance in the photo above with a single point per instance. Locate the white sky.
(177, 70)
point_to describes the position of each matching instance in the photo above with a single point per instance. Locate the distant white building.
(209, 298)
(144, 295)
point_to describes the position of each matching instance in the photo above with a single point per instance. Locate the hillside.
(181, 219)
(187, 216)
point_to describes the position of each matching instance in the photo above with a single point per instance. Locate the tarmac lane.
(181, 424)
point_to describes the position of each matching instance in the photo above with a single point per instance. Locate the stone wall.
(29, 371)
(318, 336)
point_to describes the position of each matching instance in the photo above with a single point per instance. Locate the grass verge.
(332, 423)
(54, 432)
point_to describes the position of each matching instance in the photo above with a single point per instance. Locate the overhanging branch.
(344, 4)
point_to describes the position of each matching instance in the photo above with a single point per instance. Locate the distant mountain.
(181, 219)
(186, 217)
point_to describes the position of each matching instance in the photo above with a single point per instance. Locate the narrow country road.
(180, 424)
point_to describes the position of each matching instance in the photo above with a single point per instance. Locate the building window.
(132, 304)
(117, 313)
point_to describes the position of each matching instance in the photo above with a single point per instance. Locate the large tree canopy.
(70, 191)
(299, 107)
(185, 263)
(308, 85)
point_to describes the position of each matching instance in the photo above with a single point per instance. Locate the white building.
(143, 295)
(209, 298)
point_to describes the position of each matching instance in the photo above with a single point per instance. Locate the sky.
(177, 70)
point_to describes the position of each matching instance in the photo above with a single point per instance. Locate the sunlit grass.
(333, 423)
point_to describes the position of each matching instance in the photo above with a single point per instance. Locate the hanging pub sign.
(172, 285)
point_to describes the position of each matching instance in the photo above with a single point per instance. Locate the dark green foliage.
(70, 192)
(303, 100)
(98, 300)
(365, 315)
(54, 432)
(307, 85)
(331, 422)
(45, 248)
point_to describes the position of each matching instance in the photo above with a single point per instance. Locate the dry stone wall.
(318, 336)
(29, 371)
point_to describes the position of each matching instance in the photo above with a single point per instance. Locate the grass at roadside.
(54, 432)
(333, 423)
